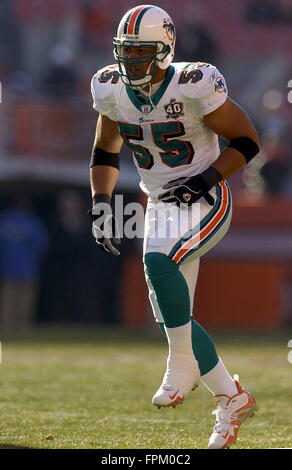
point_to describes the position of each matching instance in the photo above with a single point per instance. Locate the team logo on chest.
(174, 109)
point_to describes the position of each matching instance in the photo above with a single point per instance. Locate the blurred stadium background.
(49, 51)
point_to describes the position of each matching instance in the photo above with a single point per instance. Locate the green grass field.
(91, 388)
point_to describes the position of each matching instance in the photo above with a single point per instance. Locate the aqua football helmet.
(150, 28)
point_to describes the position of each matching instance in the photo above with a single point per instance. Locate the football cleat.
(167, 395)
(230, 414)
(177, 383)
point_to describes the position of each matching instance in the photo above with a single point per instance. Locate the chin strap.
(149, 96)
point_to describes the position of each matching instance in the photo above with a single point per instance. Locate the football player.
(170, 116)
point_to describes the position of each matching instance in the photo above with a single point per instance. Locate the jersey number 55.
(175, 152)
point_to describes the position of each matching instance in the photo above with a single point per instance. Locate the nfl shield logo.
(146, 108)
(187, 197)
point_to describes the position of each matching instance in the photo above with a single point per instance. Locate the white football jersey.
(166, 134)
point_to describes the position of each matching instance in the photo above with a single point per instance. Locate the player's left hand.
(187, 190)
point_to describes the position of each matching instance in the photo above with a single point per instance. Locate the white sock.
(219, 382)
(182, 366)
(180, 339)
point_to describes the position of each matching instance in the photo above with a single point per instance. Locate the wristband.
(101, 198)
(211, 176)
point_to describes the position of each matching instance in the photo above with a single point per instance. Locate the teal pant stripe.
(203, 347)
(200, 225)
(171, 289)
(201, 244)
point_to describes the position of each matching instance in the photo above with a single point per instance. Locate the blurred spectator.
(23, 240)
(10, 50)
(195, 43)
(61, 80)
(276, 169)
(20, 83)
(95, 47)
(263, 11)
(78, 285)
(94, 24)
(268, 11)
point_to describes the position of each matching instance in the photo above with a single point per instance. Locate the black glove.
(104, 226)
(187, 190)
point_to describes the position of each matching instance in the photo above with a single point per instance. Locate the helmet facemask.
(131, 67)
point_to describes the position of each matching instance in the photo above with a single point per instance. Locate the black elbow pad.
(101, 157)
(246, 146)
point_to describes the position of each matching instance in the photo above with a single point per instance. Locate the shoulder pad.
(204, 83)
(198, 79)
(103, 86)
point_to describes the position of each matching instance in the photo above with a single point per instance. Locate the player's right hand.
(104, 227)
(187, 190)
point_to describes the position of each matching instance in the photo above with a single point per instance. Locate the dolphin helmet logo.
(170, 29)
